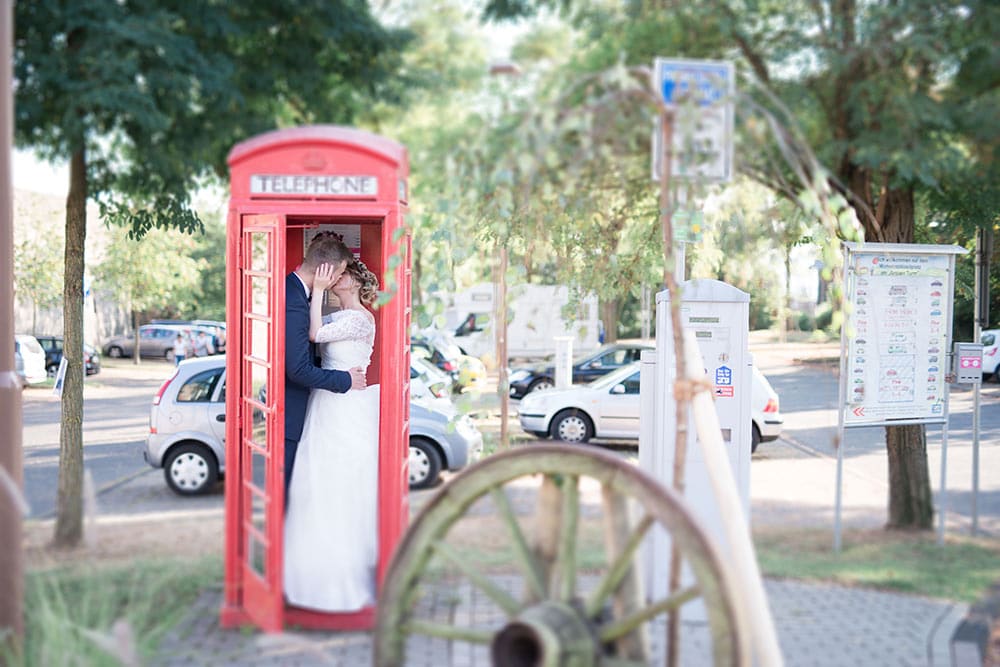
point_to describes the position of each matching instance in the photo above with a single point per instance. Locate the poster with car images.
(898, 333)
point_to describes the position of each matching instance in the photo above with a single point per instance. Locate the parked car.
(428, 381)
(53, 346)
(29, 359)
(990, 338)
(187, 431)
(214, 328)
(442, 351)
(586, 368)
(609, 408)
(155, 340)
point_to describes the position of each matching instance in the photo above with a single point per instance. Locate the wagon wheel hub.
(550, 634)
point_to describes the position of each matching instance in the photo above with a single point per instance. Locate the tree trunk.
(69, 509)
(911, 505)
(136, 351)
(609, 317)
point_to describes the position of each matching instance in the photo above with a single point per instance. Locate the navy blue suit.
(301, 371)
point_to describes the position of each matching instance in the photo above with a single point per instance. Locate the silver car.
(187, 431)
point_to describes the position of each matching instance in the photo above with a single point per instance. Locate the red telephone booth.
(286, 186)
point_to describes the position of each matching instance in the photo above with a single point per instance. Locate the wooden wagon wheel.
(547, 618)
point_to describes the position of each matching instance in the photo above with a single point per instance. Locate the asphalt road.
(116, 411)
(115, 421)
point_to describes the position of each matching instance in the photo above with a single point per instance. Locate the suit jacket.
(301, 371)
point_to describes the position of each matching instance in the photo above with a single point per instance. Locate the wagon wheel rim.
(557, 595)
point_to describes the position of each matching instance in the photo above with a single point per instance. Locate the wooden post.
(680, 401)
(501, 328)
(11, 562)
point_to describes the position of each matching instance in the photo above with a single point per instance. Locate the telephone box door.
(261, 427)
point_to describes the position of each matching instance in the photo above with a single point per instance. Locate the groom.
(301, 371)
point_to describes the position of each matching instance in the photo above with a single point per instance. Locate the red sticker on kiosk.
(724, 392)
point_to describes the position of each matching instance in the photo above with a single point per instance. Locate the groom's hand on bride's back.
(358, 380)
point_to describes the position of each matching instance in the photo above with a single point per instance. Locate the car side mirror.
(618, 389)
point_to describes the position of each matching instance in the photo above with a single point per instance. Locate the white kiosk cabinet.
(718, 314)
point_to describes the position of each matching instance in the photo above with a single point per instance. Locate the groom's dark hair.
(326, 249)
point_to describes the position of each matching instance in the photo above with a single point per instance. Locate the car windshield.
(615, 377)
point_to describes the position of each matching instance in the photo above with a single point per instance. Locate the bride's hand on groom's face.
(327, 274)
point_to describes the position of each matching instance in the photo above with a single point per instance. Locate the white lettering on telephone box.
(314, 184)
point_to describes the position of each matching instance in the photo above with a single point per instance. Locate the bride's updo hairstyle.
(367, 281)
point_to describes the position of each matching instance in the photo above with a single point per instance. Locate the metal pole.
(977, 334)
(841, 406)
(944, 483)
(11, 455)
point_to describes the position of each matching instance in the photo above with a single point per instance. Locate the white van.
(536, 321)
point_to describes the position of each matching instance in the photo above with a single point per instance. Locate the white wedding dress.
(331, 525)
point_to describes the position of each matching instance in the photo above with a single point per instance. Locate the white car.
(609, 408)
(29, 359)
(990, 338)
(187, 431)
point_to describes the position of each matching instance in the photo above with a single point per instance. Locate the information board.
(898, 333)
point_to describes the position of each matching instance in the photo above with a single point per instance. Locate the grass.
(89, 615)
(961, 569)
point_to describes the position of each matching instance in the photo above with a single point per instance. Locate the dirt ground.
(114, 541)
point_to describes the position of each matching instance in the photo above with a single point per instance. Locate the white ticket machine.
(718, 314)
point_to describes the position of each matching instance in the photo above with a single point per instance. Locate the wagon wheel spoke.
(618, 569)
(619, 628)
(566, 563)
(494, 592)
(522, 553)
(445, 631)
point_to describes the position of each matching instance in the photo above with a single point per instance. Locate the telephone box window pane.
(255, 382)
(258, 432)
(258, 470)
(259, 242)
(259, 340)
(259, 288)
(258, 514)
(256, 556)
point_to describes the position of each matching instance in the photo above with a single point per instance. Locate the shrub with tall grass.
(107, 615)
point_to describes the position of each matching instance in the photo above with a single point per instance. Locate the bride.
(331, 529)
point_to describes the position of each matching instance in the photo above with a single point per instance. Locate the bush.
(824, 318)
(806, 322)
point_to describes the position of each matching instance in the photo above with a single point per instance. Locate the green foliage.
(38, 271)
(824, 318)
(159, 272)
(153, 95)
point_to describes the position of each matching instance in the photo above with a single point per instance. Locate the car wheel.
(540, 385)
(424, 465)
(115, 352)
(51, 370)
(572, 426)
(754, 438)
(191, 469)
(169, 355)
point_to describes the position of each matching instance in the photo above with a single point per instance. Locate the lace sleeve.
(346, 325)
